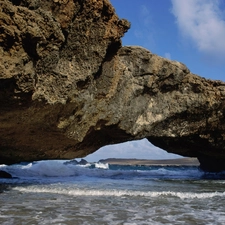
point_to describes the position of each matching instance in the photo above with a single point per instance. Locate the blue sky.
(188, 31)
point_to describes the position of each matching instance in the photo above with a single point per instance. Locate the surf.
(73, 191)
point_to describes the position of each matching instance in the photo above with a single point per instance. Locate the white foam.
(102, 165)
(57, 168)
(191, 195)
(119, 193)
(41, 169)
(85, 165)
(52, 169)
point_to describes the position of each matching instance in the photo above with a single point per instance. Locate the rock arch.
(83, 90)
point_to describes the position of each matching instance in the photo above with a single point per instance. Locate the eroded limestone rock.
(67, 87)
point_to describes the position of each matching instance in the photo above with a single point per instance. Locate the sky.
(188, 31)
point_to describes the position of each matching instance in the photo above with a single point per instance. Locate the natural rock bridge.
(68, 87)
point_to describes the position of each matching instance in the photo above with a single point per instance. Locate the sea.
(61, 192)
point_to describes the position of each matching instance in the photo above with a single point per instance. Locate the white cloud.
(202, 21)
(142, 149)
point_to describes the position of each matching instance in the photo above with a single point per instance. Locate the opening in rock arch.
(141, 149)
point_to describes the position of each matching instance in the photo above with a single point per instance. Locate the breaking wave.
(57, 168)
(119, 193)
(63, 169)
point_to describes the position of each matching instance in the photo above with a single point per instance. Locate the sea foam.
(102, 165)
(72, 191)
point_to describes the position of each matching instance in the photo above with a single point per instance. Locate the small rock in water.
(83, 162)
(4, 174)
(74, 162)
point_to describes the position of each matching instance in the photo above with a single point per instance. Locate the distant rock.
(4, 174)
(74, 162)
(155, 162)
(68, 87)
(83, 162)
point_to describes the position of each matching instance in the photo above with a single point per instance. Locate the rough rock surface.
(67, 87)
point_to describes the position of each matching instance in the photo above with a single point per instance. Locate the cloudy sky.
(189, 31)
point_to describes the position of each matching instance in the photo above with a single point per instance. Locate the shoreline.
(145, 162)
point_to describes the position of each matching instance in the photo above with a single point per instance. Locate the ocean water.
(54, 192)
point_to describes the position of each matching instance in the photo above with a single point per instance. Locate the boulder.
(68, 87)
(4, 174)
(71, 162)
(83, 162)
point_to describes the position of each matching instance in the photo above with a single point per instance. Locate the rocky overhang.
(68, 87)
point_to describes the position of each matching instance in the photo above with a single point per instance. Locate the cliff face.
(67, 87)
(51, 53)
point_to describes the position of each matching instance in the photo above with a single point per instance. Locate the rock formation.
(68, 87)
(4, 174)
